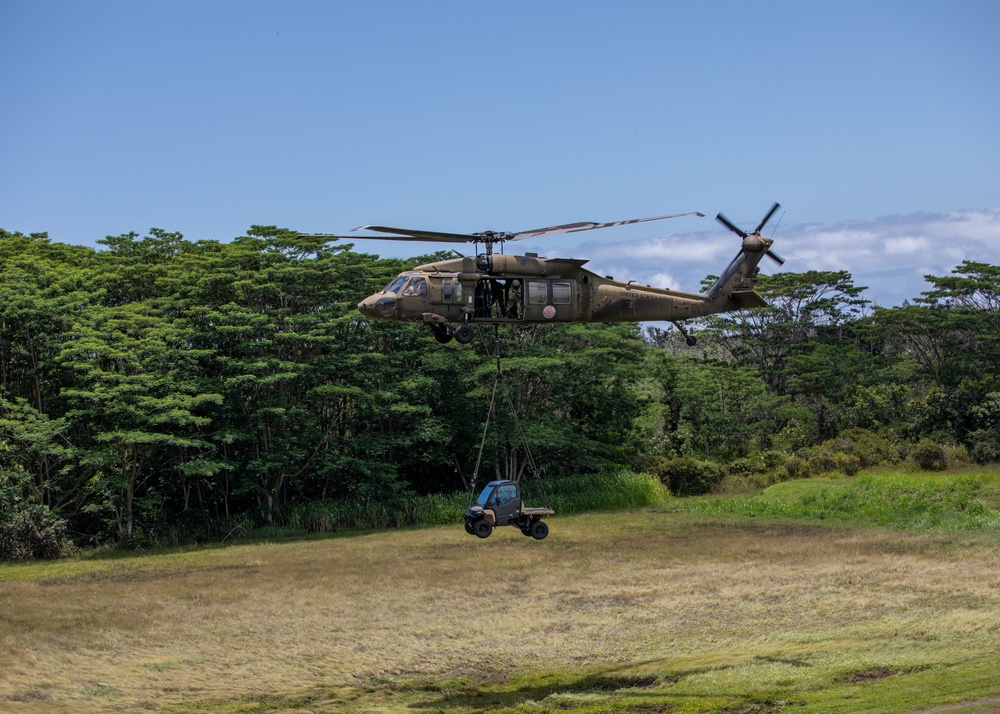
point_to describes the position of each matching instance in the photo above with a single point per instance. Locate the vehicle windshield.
(396, 285)
(485, 495)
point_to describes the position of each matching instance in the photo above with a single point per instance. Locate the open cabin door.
(499, 300)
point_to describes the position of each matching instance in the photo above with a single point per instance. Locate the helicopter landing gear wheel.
(443, 334)
(483, 529)
(539, 530)
(688, 339)
(464, 334)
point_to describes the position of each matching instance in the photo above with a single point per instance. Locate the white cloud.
(903, 246)
(681, 248)
(890, 255)
(665, 280)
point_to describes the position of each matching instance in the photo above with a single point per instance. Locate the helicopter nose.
(378, 305)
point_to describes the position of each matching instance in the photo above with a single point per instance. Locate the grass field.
(677, 608)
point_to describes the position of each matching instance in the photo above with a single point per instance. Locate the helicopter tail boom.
(734, 288)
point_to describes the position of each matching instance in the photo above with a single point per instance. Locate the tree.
(951, 334)
(137, 404)
(804, 309)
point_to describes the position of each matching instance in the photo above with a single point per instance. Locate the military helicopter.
(451, 296)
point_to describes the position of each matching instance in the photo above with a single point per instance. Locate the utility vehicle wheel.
(464, 334)
(539, 529)
(526, 530)
(483, 529)
(469, 529)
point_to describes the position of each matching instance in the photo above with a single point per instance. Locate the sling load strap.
(482, 443)
(489, 414)
(524, 442)
(517, 425)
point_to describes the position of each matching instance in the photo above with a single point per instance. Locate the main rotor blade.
(330, 236)
(417, 235)
(770, 213)
(730, 225)
(589, 226)
(775, 257)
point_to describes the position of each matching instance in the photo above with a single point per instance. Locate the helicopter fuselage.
(498, 288)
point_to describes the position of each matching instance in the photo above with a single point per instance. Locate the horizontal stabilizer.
(748, 298)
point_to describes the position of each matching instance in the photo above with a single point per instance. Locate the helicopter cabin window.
(416, 287)
(452, 290)
(562, 293)
(396, 284)
(538, 292)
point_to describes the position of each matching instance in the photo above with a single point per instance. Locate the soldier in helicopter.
(513, 309)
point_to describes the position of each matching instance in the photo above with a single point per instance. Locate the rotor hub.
(754, 244)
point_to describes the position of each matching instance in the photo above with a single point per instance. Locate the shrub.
(871, 448)
(686, 476)
(959, 455)
(984, 446)
(33, 532)
(930, 455)
(747, 466)
(831, 457)
(793, 467)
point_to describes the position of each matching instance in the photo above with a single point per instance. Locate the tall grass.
(330, 516)
(902, 500)
(598, 492)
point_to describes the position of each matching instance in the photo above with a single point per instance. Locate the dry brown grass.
(339, 620)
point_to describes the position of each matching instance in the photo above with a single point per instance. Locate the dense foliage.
(161, 388)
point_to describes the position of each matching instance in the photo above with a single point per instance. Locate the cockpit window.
(416, 286)
(396, 284)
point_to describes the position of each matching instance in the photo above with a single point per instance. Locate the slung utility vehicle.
(500, 505)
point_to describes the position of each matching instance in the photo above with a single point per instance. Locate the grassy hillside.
(899, 499)
(691, 606)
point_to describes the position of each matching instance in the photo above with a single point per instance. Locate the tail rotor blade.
(775, 257)
(730, 225)
(770, 213)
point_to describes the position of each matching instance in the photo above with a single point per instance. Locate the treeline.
(158, 388)
(824, 381)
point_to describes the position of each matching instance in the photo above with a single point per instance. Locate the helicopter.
(452, 296)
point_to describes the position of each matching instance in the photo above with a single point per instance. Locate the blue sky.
(875, 124)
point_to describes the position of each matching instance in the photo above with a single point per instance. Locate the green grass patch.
(894, 499)
(747, 685)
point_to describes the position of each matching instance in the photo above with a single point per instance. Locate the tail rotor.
(756, 232)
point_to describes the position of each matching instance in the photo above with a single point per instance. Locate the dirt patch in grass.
(867, 675)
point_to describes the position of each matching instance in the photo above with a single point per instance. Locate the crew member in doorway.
(514, 300)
